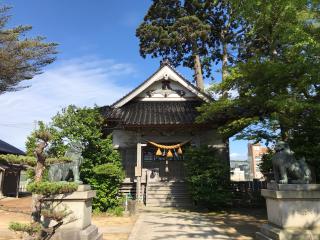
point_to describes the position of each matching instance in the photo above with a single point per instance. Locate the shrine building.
(151, 127)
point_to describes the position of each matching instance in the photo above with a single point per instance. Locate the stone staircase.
(168, 194)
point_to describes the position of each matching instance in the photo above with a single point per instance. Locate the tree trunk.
(284, 133)
(224, 62)
(37, 198)
(40, 161)
(224, 66)
(198, 72)
(224, 55)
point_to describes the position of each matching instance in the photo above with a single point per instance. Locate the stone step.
(98, 237)
(270, 231)
(167, 192)
(127, 187)
(169, 195)
(89, 233)
(166, 188)
(167, 184)
(169, 205)
(168, 201)
(173, 198)
(261, 236)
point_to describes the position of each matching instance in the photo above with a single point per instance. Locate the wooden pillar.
(1, 182)
(18, 183)
(138, 172)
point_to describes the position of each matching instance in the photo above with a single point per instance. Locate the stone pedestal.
(77, 225)
(293, 212)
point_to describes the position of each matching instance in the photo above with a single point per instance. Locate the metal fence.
(248, 193)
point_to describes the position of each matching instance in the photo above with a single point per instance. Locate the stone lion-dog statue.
(288, 169)
(70, 170)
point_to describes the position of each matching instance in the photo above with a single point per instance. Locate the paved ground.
(158, 224)
(153, 224)
(114, 228)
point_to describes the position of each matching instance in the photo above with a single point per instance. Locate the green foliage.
(266, 162)
(21, 58)
(52, 188)
(207, 177)
(106, 179)
(169, 30)
(30, 173)
(101, 167)
(116, 211)
(30, 228)
(29, 161)
(53, 214)
(179, 30)
(31, 144)
(275, 87)
(85, 125)
(43, 133)
(75, 124)
(17, 159)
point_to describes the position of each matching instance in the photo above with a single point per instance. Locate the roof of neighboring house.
(154, 113)
(6, 148)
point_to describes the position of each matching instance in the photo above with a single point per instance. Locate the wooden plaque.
(137, 171)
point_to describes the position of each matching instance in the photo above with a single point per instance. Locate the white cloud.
(83, 81)
(238, 156)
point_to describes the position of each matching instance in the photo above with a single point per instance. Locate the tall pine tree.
(195, 33)
(21, 58)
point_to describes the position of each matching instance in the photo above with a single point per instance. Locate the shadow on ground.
(189, 224)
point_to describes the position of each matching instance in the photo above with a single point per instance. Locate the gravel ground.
(18, 210)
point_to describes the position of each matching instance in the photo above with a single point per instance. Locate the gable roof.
(154, 113)
(6, 148)
(165, 67)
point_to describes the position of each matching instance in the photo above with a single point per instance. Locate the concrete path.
(164, 224)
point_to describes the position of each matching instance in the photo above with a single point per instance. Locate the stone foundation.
(293, 212)
(77, 226)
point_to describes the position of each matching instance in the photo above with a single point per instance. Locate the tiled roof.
(154, 113)
(9, 149)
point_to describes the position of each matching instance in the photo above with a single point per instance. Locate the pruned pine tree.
(44, 209)
(21, 58)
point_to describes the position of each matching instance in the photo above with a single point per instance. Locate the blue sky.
(98, 61)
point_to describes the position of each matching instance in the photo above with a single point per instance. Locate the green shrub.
(208, 177)
(106, 179)
(266, 163)
(116, 211)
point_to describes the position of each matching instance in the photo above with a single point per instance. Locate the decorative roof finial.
(165, 62)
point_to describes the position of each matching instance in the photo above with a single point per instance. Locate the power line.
(15, 124)
(22, 125)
